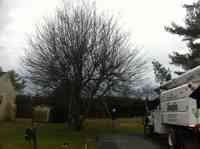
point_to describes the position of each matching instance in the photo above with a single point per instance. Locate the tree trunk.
(74, 121)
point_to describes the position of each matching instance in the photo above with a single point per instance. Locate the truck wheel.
(171, 139)
(148, 131)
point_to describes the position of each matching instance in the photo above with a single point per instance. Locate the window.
(196, 96)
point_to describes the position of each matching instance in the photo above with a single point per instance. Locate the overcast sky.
(144, 19)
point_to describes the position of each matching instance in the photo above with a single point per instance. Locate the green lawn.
(52, 136)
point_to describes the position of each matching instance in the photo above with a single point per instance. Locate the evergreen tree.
(162, 74)
(17, 81)
(190, 33)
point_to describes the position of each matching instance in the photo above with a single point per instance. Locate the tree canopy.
(190, 33)
(162, 74)
(85, 53)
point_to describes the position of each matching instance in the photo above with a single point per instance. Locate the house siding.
(8, 96)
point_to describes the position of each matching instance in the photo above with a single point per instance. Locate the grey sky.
(145, 19)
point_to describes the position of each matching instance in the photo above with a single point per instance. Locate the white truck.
(176, 112)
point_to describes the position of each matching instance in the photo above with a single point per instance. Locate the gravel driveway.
(128, 142)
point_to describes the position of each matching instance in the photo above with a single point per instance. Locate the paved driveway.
(127, 142)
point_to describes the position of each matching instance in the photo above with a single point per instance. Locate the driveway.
(128, 142)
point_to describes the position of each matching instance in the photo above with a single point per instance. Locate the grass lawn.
(52, 136)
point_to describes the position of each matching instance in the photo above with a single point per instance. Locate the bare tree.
(84, 52)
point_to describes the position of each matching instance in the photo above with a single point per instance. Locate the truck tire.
(175, 140)
(171, 139)
(148, 131)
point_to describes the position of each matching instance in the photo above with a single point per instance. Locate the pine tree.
(190, 33)
(17, 81)
(162, 74)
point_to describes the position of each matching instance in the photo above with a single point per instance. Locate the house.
(7, 97)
